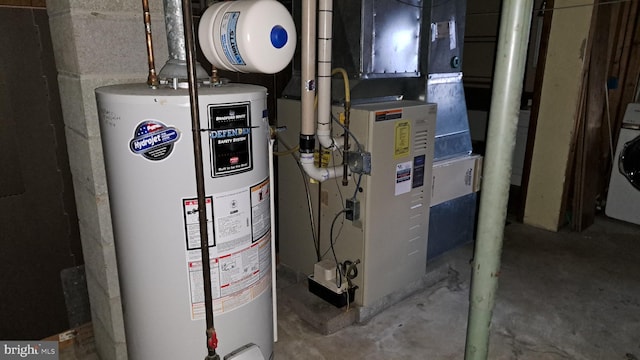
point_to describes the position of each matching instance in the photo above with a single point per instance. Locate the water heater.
(148, 150)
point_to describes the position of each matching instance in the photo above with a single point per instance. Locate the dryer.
(623, 200)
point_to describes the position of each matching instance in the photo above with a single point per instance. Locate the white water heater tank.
(148, 150)
(257, 36)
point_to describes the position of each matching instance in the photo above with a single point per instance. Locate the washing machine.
(623, 200)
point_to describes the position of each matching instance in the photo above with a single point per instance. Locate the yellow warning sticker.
(402, 139)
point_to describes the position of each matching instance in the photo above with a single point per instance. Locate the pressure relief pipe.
(190, 55)
(501, 139)
(308, 92)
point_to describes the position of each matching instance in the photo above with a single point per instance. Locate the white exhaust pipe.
(307, 134)
(316, 173)
(325, 39)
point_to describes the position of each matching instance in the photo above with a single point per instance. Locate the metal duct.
(175, 29)
(378, 69)
(175, 68)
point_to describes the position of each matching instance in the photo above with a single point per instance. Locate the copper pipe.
(152, 79)
(215, 77)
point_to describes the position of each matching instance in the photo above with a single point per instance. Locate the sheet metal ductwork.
(430, 70)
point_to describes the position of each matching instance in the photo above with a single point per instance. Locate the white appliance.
(247, 36)
(623, 200)
(390, 236)
(148, 149)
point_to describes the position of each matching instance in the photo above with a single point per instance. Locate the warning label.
(260, 210)
(403, 177)
(402, 139)
(192, 223)
(239, 252)
(236, 279)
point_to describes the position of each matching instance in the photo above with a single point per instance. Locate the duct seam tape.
(240, 36)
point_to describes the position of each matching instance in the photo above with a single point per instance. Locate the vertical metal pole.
(211, 337)
(501, 137)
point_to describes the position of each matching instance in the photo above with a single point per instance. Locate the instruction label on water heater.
(192, 222)
(230, 139)
(240, 255)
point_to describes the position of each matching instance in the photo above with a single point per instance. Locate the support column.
(511, 58)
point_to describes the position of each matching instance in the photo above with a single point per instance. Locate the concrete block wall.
(99, 43)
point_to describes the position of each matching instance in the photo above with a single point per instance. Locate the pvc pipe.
(272, 214)
(308, 71)
(325, 34)
(501, 138)
(319, 174)
(307, 132)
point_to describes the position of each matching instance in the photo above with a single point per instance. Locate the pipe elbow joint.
(316, 173)
(328, 142)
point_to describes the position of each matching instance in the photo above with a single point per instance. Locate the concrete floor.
(561, 296)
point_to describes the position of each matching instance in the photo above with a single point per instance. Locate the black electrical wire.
(355, 192)
(339, 273)
(350, 269)
(305, 180)
(332, 241)
(333, 159)
(360, 148)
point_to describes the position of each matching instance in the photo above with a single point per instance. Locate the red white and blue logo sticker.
(153, 140)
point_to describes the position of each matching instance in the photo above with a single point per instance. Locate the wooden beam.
(590, 174)
(535, 106)
(630, 82)
(559, 101)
